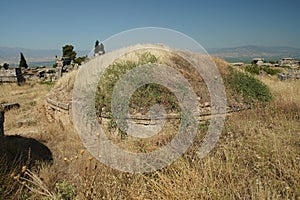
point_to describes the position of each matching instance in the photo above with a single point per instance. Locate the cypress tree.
(23, 62)
(96, 43)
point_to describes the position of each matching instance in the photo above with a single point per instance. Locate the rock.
(26, 122)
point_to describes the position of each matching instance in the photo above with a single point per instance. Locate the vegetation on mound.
(256, 69)
(242, 88)
(251, 89)
(143, 97)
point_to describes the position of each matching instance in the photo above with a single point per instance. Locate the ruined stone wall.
(16, 75)
(8, 76)
(58, 111)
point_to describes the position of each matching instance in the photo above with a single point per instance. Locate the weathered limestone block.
(3, 109)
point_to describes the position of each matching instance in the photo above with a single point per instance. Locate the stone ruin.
(47, 74)
(290, 75)
(59, 100)
(20, 75)
(3, 109)
(11, 75)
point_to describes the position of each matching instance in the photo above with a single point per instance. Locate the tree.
(5, 66)
(68, 51)
(79, 60)
(23, 62)
(96, 43)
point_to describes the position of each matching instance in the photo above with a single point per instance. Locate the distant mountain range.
(12, 55)
(246, 53)
(236, 54)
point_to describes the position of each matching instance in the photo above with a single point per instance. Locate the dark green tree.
(23, 62)
(68, 51)
(81, 59)
(96, 43)
(5, 66)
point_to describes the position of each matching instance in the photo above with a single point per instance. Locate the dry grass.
(31, 98)
(257, 157)
(63, 88)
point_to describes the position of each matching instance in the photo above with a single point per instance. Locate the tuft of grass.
(50, 83)
(8, 186)
(65, 190)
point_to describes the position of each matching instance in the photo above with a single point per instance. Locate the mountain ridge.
(246, 53)
(11, 55)
(230, 54)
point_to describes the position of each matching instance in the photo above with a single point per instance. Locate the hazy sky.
(51, 24)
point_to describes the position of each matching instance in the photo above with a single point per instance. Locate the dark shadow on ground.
(16, 149)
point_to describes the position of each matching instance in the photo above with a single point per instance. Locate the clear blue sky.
(51, 24)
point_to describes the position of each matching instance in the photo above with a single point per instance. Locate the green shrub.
(271, 71)
(251, 89)
(141, 100)
(255, 70)
(79, 60)
(65, 190)
(252, 69)
(286, 67)
(145, 96)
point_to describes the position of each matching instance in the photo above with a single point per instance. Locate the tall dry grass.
(257, 157)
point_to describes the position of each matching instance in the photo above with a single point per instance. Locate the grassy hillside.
(257, 156)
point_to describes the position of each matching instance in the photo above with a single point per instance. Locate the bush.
(251, 89)
(79, 60)
(286, 67)
(252, 69)
(256, 69)
(65, 190)
(272, 71)
(144, 97)
(141, 100)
